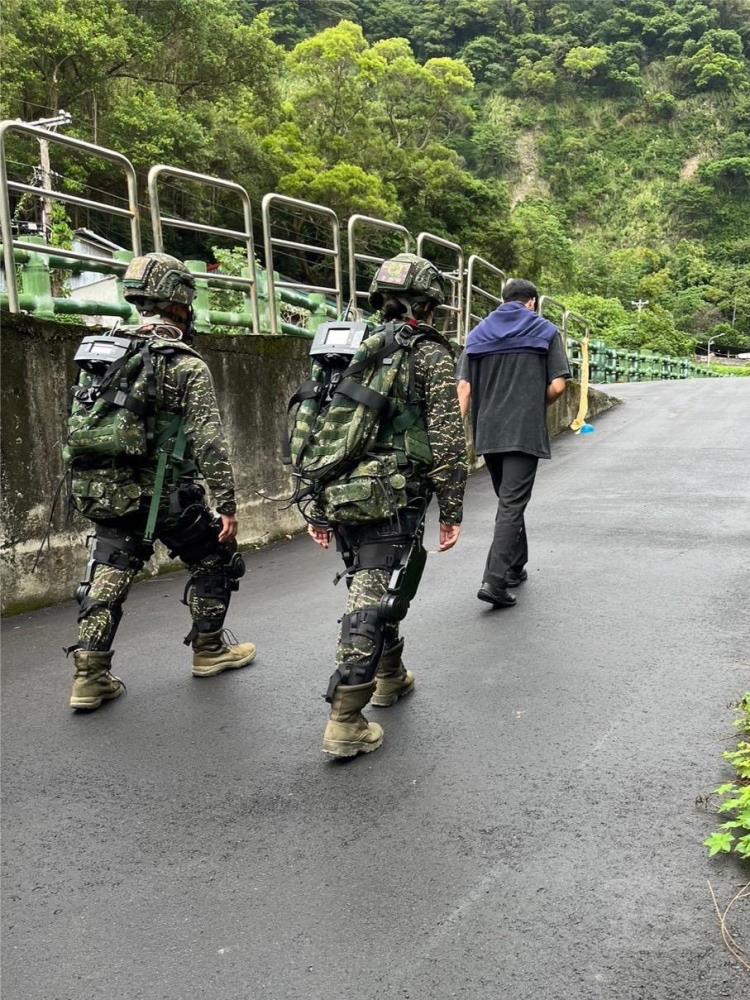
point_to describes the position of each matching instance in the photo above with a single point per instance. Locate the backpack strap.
(148, 371)
(309, 389)
(350, 387)
(175, 426)
(390, 346)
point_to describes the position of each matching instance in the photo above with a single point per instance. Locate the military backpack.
(115, 428)
(358, 431)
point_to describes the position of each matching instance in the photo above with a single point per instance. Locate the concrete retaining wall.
(255, 376)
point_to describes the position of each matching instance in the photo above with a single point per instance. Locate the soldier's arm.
(435, 370)
(204, 432)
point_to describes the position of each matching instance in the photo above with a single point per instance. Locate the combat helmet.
(409, 279)
(158, 280)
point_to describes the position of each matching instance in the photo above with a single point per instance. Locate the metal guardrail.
(456, 278)
(249, 284)
(475, 262)
(357, 257)
(35, 257)
(6, 223)
(572, 317)
(545, 302)
(270, 241)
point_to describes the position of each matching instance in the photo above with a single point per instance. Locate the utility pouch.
(105, 494)
(375, 490)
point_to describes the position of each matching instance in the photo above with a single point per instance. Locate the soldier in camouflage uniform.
(162, 289)
(368, 658)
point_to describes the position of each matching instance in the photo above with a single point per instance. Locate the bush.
(733, 836)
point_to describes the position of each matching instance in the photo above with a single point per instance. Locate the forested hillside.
(601, 147)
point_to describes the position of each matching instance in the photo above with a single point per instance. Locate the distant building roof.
(99, 241)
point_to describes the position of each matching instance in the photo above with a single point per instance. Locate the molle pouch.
(417, 445)
(120, 433)
(374, 490)
(105, 494)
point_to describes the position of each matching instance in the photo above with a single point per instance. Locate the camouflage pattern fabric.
(158, 277)
(110, 588)
(346, 426)
(435, 388)
(368, 586)
(407, 275)
(425, 439)
(187, 388)
(184, 387)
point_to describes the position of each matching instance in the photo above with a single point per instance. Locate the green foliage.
(710, 69)
(586, 62)
(733, 835)
(620, 132)
(62, 232)
(542, 246)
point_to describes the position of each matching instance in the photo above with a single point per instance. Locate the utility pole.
(708, 348)
(640, 305)
(45, 173)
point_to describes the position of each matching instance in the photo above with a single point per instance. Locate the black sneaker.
(514, 579)
(497, 598)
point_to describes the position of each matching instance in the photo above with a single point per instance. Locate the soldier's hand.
(228, 527)
(320, 535)
(448, 536)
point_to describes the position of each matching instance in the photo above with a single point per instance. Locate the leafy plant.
(733, 835)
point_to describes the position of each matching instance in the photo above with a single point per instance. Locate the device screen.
(338, 337)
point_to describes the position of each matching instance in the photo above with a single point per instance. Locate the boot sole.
(89, 704)
(384, 701)
(219, 668)
(347, 749)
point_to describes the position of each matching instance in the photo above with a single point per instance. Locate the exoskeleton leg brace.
(115, 558)
(383, 573)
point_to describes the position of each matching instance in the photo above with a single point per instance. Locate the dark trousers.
(513, 475)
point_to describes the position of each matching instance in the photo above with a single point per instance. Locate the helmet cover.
(158, 278)
(407, 276)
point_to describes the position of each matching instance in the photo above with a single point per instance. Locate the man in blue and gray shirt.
(513, 367)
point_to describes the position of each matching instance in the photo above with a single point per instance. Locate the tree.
(542, 248)
(586, 63)
(711, 69)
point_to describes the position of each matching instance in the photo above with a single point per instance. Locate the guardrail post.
(356, 256)
(131, 213)
(202, 304)
(472, 287)
(248, 282)
(270, 242)
(456, 279)
(318, 311)
(36, 281)
(125, 256)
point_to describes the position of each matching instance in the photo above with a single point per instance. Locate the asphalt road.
(528, 829)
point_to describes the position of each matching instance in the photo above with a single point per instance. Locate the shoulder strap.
(175, 426)
(148, 370)
(390, 346)
(309, 389)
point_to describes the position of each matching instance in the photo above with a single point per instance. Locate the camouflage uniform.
(114, 479)
(435, 386)
(186, 388)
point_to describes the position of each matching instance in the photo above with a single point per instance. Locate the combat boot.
(93, 683)
(393, 680)
(348, 732)
(211, 654)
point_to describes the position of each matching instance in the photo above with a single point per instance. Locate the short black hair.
(519, 290)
